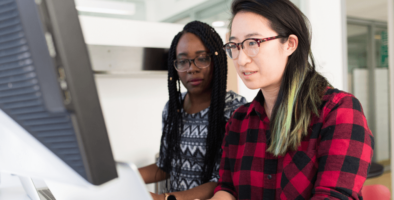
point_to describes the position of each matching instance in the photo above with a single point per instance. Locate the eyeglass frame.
(193, 60)
(259, 41)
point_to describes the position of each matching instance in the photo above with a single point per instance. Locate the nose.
(243, 59)
(193, 68)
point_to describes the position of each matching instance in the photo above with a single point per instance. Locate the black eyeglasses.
(201, 61)
(251, 47)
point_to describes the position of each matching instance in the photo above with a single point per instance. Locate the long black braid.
(173, 126)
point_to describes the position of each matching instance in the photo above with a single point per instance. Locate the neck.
(199, 98)
(270, 95)
(196, 102)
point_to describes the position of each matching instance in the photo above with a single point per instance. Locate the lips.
(195, 82)
(249, 73)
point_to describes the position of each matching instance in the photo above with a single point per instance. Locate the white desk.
(11, 188)
(128, 186)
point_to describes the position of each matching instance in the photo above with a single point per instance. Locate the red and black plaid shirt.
(331, 163)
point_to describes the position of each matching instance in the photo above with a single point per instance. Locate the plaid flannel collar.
(257, 106)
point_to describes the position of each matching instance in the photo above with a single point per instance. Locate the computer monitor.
(51, 123)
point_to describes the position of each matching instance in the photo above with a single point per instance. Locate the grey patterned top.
(193, 145)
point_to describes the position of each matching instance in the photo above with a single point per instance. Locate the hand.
(157, 196)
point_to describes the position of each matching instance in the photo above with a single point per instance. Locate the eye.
(232, 46)
(252, 43)
(203, 59)
(182, 62)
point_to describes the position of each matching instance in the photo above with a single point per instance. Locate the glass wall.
(368, 79)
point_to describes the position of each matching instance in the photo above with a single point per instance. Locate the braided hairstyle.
(173, 125)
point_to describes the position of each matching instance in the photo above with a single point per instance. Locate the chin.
(253, 88)
(194, 90)
(251, 85)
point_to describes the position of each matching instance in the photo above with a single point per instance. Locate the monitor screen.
(47, 86)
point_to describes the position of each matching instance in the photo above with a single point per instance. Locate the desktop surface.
(128, 186)
(11, 188)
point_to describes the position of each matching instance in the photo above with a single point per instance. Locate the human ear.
(291, 44)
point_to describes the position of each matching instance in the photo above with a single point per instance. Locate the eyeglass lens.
(250, 47)
(201, 61)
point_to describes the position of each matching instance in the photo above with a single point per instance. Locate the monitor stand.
(29, 187)
(34, 191)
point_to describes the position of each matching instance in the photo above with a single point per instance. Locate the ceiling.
(209, 11)
(367, 9)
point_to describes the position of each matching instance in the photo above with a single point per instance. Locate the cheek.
(271, 64)
(237, 67)
(209, 73)
(182, 77)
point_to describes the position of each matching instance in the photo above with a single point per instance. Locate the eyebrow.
(197, 52)
(246, 36)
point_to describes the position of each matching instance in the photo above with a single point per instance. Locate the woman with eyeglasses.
(300, 138)
(193, 121)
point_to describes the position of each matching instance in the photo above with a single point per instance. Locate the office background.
(350, 43)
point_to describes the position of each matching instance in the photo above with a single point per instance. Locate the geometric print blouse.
(193, 145)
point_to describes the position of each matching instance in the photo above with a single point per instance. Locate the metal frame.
(390, 21)
(358, 21)
(371, 76)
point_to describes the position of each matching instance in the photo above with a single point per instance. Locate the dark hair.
(302, 87)
(173, 124)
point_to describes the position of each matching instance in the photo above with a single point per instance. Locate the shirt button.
(269, 176)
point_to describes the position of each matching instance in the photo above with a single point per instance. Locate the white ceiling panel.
(367, 9)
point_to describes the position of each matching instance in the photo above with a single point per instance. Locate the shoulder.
(233, 99)
(339, 107)
(334, 98)
(232, 102)
(334, 95)
(183, 94)
(165, 110)
(239, 114)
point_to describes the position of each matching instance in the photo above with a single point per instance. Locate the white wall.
(329, 42)
(132, 108)
(382, 107)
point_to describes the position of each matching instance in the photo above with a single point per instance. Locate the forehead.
(189, 44)
(246, 23)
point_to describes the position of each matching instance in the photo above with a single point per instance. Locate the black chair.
(375, 170)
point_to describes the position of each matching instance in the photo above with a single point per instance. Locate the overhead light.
(104, 10)
(218, 23)
(105, 7)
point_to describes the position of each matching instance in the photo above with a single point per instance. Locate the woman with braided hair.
(193, 121)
